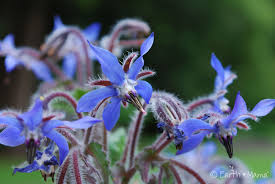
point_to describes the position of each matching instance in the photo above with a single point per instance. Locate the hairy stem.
(163, 145)
(69, 136)
(79, 70)
(105, 139)
(159, 140)
(134, 135)
(189, 170)
(128, 175)
(176, 174)
(198, 103)
(64, 169)
(89, 68)
(76, 167)
(160, 176)
(70, 99)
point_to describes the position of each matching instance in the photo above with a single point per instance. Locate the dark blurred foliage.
(240, 33)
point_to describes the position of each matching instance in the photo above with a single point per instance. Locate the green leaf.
(62, 105)
(101, 159)
(78, 93)
(117, 141)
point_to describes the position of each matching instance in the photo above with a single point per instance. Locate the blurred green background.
(240, 33)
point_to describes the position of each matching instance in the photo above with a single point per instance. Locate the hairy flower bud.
(167, 108)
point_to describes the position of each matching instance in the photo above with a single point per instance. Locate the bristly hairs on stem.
(53, 95)
(128, 28)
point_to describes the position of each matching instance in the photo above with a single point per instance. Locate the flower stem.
(134, 135)
(189, 170)
(63, 95)
(76, 167)
(175, 173)
(198, 103)
(63, 171)
(159, 140)
(163, 145)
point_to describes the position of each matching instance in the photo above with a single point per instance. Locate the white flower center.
(126, 87)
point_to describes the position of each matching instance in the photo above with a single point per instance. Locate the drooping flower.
(44, 161)
(224, 127)
(223, 79)
(27, 57)
(70, 42)
(124, 84)
(30, 127)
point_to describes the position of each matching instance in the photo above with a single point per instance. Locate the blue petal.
(82, 123)
(91, 33)
(109, 65)
(238, 110)
(29, 168)
(11, 62)
(33, 117)
(11, 121)
(11, 136)
(88, 101)
(61, 143)
(263, 107)
(51, 124)
(144, 89)
(69, 65)
(8, 42)
(41, 71)
(216, 64)
(50, 148)
(229, 77)
(38, 154)
(111, 113)
(57, 23)
(135, 68)
(147, 44)
(192, 142)
(191, 126)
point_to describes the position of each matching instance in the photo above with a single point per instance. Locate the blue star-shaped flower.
(224, 128)
(223, 79)
(26, 57)
(123, 85)
(44, 161)
(30, 127)
(91, 33)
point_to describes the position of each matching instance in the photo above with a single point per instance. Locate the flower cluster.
(67, 117)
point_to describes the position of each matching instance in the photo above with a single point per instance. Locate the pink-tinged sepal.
(243, 125)
(94, 83)
(128, 61)
(144, 74)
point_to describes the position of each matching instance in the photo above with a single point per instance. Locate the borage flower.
(30, 127)
(223, 79)
(24, 56)
(123, 85)
(70, 42)
(225, 128)
(91, 33)
(44, 161)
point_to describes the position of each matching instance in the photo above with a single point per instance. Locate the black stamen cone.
(228, 144)
(135, 101)
(31, 151)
